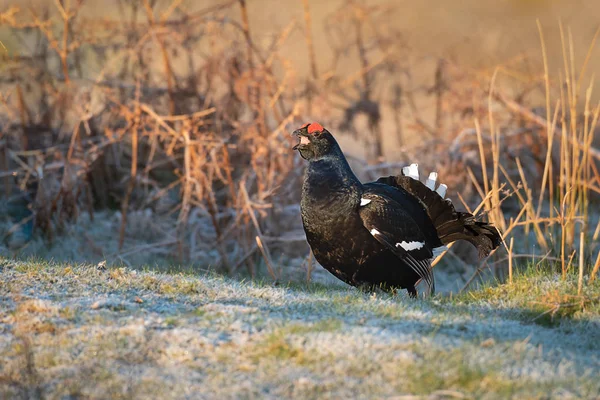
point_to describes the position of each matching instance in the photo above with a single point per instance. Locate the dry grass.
(181, 115)
(122, 139)
(563, 191)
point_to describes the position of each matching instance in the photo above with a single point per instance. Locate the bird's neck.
(331, 173)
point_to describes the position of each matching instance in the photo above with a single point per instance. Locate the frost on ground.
(77, 331)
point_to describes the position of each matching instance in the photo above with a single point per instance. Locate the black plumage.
(382, 234)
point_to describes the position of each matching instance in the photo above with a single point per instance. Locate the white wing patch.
(408, 246)
(374, 232)
(364, 202)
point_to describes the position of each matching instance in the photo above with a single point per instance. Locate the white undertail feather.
(431, 181)
(374, 232)
(412, 171)
(364, 202)
(441, 190)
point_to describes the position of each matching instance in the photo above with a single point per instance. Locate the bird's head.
(314, 141)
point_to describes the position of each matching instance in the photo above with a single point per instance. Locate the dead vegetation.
(182, 114)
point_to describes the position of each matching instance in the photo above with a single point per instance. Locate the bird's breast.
(334, 229)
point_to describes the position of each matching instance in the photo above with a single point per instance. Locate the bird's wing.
(393, 227)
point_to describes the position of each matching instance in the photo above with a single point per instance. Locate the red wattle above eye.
(315, 127)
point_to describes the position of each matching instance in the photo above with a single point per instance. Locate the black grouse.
(382, 234)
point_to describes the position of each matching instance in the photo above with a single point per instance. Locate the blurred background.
(156, 133)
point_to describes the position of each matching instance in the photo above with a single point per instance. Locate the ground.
(81, 331)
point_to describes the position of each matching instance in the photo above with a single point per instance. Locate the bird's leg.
(412, 292)
(366, 287)
(360, 284)
(369, 288)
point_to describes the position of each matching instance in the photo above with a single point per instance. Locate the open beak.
(303, 140)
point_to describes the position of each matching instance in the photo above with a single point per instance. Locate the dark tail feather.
(450, 224)
(484, 236)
